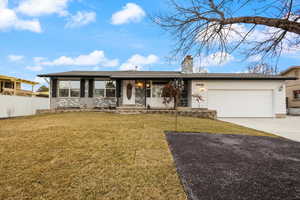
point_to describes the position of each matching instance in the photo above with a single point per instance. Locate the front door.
(128, 92)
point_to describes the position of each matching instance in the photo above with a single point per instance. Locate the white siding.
(271, 93)
(13, 106)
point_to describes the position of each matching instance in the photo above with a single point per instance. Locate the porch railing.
(18, 92)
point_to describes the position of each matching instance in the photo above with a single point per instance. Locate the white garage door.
(241, 103)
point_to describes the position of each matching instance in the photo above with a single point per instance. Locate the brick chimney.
(187, 65)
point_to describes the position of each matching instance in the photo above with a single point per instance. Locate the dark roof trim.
(184, 78)
(72, 76)
(208, 78)
(165, 75)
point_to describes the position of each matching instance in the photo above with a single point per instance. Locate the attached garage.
(241, 103)
(241, 98)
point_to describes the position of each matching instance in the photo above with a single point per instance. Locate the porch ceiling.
(8, 78)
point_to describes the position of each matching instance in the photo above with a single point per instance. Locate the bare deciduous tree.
(261, 68)
(171, 92)
(259, 27)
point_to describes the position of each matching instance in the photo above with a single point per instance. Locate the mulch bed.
(220, 166)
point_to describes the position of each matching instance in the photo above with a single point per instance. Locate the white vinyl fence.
(13, 106)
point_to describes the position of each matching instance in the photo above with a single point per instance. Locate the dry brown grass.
(94, 156)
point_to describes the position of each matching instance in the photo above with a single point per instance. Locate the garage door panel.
(241, 103)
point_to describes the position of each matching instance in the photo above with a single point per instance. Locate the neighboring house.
(231, 94)
(13, 86)
(42, 94)
(15, 101)
(293, 87)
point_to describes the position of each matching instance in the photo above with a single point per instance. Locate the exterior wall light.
(139, 85)
(202, 89)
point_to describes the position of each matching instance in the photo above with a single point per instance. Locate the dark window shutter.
(82, 87)
(54, 87)
(118, 86)
(91, 87)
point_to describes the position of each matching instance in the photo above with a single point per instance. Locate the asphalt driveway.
(286, 127)
(234, 167)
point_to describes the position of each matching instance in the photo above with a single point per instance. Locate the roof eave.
(69, 76)
(207, 78)
(168, 77)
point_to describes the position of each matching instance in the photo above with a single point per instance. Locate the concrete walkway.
(287, 127)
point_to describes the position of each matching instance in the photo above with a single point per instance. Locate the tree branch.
(284, 24)
(209, 26)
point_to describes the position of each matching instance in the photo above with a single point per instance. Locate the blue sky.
(60, 35)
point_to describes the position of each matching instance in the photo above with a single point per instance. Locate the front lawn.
(95, 156)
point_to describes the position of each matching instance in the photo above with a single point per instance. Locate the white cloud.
(15, 58)
(81, 19)
(95, 58)
(136, 62)
(236, 32)
(215, 59)
(255, 58)
(43, 7)
(130, 13)
(34, 68)
(3, 4)
(9, 20)
(38, 59)
(288, 45)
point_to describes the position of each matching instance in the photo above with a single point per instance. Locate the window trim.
(296, 93)
(69, 89)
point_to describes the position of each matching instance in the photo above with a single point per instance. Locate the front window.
(105, 88)
(297, 94)
(157, 88)
(69, 88)
(100, 88)
(8, 85)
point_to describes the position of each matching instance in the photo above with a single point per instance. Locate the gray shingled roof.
(166, 74)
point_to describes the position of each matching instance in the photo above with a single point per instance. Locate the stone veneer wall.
(82, 102)
(105, 102)
(95, 102)
(67, 102)
(207, 114)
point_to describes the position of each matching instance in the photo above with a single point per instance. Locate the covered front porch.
(148, 94)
